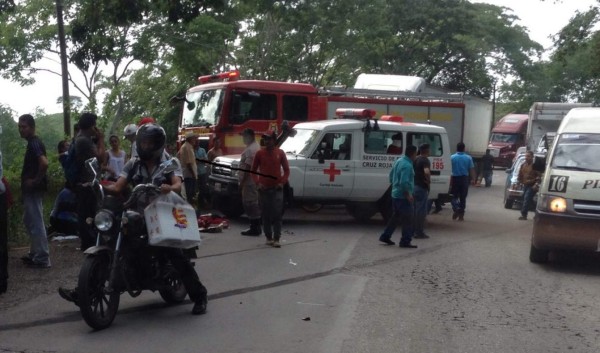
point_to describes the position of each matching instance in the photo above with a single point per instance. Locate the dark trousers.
(487, 176)
(3, 239)
(86, 207)
(271, 204)
(528, 194)
(190, 188)
(203, 190)
(403, 213)
(460, 189)
(189, 277)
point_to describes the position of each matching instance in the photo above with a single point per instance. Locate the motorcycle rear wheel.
(174, 292)
(97, 307)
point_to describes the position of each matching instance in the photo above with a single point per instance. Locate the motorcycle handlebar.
(137, 191)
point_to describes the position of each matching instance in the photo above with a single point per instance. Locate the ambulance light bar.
(355, 113)
(394, 118)
(232, 75)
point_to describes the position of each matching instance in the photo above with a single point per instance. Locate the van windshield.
(577, 152)
(301, 143)
(202, 108)
(503, 138)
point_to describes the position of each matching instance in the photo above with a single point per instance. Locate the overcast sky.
(542, 18)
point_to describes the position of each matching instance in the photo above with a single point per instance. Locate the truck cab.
(506, 138)
(348, 161)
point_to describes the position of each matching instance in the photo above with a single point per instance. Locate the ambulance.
(568, 208)
(345, 161)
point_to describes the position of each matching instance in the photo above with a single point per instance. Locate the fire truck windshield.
(202, 108)
(301, 143)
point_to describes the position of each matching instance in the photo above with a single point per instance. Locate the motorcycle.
(122, 259)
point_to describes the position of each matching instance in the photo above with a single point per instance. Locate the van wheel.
(538, 256)
(361, 211)
(508, 203)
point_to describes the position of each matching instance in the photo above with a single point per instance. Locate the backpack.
(71, 166)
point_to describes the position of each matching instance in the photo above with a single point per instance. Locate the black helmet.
(150, 141)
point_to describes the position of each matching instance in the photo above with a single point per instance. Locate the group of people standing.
(410, 179)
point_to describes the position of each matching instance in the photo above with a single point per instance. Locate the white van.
(568, 208)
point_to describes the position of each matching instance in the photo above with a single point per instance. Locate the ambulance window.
(252, 106)
(382, 142)
(295, 108)
(434, 141)
(335, 146)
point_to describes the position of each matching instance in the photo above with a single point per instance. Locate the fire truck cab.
(345, 161)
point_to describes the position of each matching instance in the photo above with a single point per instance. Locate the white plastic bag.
(172, 222)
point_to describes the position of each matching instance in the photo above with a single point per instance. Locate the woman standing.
(115, 159)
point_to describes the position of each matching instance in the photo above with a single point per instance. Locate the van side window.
(335, 146)
(295, 108)
(382, 142)
(252, 106)
(434, 140)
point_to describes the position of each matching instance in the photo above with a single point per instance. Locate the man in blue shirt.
(402, 178)
(463, 173)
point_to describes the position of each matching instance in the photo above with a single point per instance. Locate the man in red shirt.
(272, 163)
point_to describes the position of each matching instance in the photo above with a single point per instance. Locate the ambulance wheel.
(361, 211)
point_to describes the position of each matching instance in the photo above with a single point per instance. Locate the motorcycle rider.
(150, 144)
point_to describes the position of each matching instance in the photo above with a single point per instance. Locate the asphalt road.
(333, 287)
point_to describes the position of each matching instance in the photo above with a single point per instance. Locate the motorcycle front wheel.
(174, 292)
(97, 307)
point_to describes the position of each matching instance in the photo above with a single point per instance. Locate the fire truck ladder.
(393, 95)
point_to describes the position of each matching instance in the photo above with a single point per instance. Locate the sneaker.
(408, 246)
(421, 236)
(69, 295)
(200, 307)
(34, 264)
(270, 242)
(387, 241)
(454, 215)
(26, 259)
(523, 218)
(276, 244)
(461, 217)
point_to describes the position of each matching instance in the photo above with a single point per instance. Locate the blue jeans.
(403, 213)
(421, 195)
(33, 218)
(459, 191)
(528, 194)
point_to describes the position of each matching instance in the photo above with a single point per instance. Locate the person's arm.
(189, 159)
(286, 169)
(117, 187)
(472, 172)
(521, 178)
(175, 185)
(406, 178)
(427, 172)
(255, 164)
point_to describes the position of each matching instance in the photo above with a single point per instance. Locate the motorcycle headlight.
(103, 220)
(550, 203)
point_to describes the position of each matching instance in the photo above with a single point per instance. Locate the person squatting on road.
(487, 167)
(247, 184)
(529, 177)
(402, 178)
(422, 183)
(271, 161)
(34, 183)
(187, 158)
(463, 173)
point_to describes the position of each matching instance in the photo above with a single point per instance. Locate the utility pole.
(64, 68)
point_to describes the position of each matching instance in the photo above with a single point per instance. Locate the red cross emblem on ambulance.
(332, 172)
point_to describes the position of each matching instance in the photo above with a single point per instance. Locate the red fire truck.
(222, 106)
